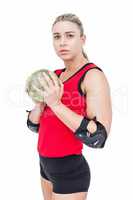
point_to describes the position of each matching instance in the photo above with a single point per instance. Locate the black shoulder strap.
(82, 78)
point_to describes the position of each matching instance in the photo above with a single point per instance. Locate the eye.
(70, 36)
(56, 37)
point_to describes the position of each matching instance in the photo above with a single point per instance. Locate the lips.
(63, 50)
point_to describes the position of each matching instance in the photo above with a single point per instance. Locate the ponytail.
(84, 54)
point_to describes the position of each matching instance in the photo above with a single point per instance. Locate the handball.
(34, 80)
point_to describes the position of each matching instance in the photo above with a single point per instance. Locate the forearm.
(34, 117)
(90, 132)
(70, 118)
(35, 114)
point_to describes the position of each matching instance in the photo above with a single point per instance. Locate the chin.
(66, 57)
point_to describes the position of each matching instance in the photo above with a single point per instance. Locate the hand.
(52, 91)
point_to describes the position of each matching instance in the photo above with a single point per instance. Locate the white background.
(26, 45)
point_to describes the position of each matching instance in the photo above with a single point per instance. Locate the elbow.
(32, 126)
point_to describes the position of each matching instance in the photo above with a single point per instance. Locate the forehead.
(65, 26)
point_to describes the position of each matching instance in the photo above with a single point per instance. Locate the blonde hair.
(74, 19)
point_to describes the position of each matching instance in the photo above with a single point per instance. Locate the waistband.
(64, 157)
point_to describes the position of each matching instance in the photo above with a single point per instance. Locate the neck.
(72, 65)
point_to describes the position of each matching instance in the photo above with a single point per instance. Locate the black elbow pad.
(94, 140)
(32, 126)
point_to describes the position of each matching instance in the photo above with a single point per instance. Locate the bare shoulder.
(95, 80)
(98, 97)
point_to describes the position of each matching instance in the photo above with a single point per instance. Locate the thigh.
(46, 184)
(73, 196)
(70, 174)
(47, 189)
(43, 163)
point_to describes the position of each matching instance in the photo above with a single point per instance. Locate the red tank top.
(56, 139)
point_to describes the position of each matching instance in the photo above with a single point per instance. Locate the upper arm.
(98, 99)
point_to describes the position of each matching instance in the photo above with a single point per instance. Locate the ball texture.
(34, 80)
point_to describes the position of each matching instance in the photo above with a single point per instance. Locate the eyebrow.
(65, 32)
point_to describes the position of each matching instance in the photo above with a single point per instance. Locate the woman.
(84, 92)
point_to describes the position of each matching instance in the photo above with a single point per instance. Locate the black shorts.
(68, 174)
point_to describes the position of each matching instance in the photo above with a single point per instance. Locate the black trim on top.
(75, 72)
(82, 78)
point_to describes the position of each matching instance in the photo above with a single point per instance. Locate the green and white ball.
(33, 80)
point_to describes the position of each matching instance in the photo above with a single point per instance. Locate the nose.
(63, 41)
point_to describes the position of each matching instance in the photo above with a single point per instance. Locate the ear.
(83, 39)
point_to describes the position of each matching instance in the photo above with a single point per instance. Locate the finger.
(49, 81)
(61, 83)
(38, 90)
(43, 82)
(61, 89)
(45, 94)
(54, 78)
